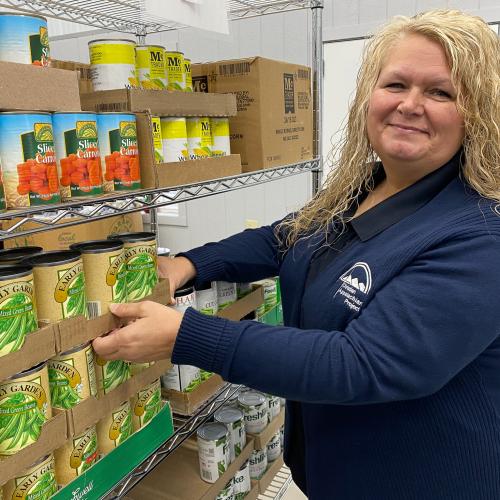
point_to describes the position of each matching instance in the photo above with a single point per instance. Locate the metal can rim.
(22, 270)
(79, 347)
(258, 398)
(133, 237)
(85, 247)
(112, 40)
(34, 369)
(66, 257)
(236, 416)
(219, 431)
(148, 46)
(29, 112)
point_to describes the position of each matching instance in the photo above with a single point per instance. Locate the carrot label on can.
(77, 150)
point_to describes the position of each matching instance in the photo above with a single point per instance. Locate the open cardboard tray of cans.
(154, 175)
(53, 339)
(261, 439)
(161, 102)
(186, 403)
(181, 472)
(25, 87)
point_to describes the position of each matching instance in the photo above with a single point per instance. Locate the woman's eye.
(441, 93)
(395, 85)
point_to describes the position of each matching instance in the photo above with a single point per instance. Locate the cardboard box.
(178, 477)
(154, 175)
(244, 306)
(53, 435)
(90, 411)
(254, 493)
(82, 72)
(61, 239)
(160, 102)
(109, 470)
(25, 87)
(270, 474)
(261, 439)
(274, 123)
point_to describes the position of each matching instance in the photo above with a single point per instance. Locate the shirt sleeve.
(247, 256)
(421, 329)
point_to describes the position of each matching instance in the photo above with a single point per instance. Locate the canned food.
(76, 456)
(221, 144)
(136, 368)
(206, 298)
(174, 138)
(199, 136)
(112, 64)
(118, 145)
(274, 406)
(150, 65)
(105, 274)
(258, 463)
(213, 451)
(110, 374)
(233, 419)
(183, 378)
(188, 85)
(174, 64)
(114, 429)
(59, 285)
(274, 447)
(226, 294)
(270, 293)
(17, 307)
(24, 39)
(146, 404)
(243, 289)
(227, 493)
(36, 482)
(12, 256)
(184, 298)
(72, 377)
(77, 153)
(254, 407)
(28, 159)
(141, 263)
(24, 407)
(157, 139)
(241, 482)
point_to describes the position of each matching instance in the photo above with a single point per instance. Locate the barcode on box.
(94, 309)
(303, 74)
(234, 69)
(112, 106)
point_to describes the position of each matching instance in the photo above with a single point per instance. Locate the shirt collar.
(403, 203)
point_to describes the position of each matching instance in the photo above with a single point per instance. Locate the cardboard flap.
(243, 306)
(271, 472)
(53, 435)
(265, 436)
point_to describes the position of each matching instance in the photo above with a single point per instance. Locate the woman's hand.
(149, 336)
(179, 271)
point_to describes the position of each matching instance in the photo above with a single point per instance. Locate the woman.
(390, 280)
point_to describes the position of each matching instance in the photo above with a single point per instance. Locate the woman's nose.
(412, 102)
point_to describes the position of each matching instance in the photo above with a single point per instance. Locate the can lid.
(164, 252)
(133, 237)
(77, 348)
(212, 431)
(174, 52)
(80, 113)
(150, 47)
(228, 415)
(13, 14)
(15, 271)
(97, 246)
(181, 292)
(10, 254)
(40, 461)
(122, 113)
(205, 285)
(251, 398)
(29, 371)
(54, 258)
(32, 112)
(112, 40)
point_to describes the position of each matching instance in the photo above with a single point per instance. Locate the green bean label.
(70, 291)
(24, 408)
(121, 426)
(17, 314)
(116, 277)
(110, 374)
(85, 452)
(147, 404)
(141, 271)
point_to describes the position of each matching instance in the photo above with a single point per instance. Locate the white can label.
(241, 482)
(255, 418)
(258, 463)
(213, 457)
(274, 447)
(274, 406)
(226, 294)
(237, 438)
(206, 301)
(181, 378)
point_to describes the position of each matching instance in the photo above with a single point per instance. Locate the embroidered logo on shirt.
(356, 283)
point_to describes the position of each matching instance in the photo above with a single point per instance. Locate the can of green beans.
(36, 482)
(12, 256)
(72, 377)
(59, 285)
(105, 274)
(110, 374)
(24, 408)
(17, 307)
(114, 429)
(146, 404)
(76, 456)
(140, 258)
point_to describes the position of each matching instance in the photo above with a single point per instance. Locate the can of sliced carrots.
(28, 159)
(77, 153)
(118, 144)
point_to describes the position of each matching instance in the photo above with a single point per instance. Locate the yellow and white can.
(112, 64)
(174, 138)
(220, 136)
(174, 63)
(188, 79)
(157, 139)
(199, 136)
(150, 65)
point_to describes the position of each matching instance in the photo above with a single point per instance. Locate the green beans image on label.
(17, 307)
(114, 429)
(110, 374)
(146, 404)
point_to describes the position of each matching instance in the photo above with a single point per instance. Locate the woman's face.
(413, 121)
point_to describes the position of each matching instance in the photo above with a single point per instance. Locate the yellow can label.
(174, 129)
(157, 139)
(112, 53)
(175, 70)
(85, 451)
(220, 127)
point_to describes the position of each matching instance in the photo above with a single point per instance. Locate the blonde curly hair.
(473, 53)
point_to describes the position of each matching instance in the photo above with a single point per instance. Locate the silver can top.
(212, 431)
(228, 415)
(252, 398)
